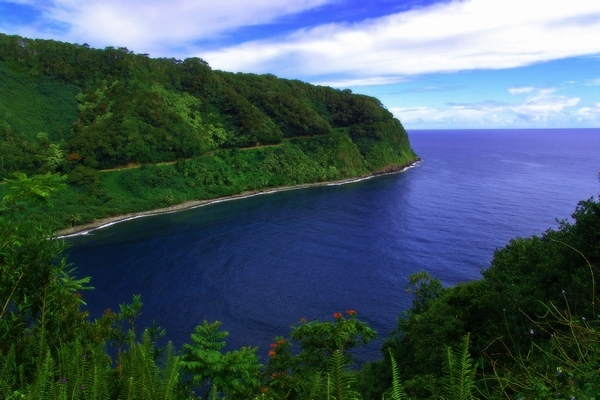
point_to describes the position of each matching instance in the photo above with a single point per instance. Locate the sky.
(434, 64)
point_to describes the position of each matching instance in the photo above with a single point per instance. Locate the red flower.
(351, 312)
(337, 315)
(303, 320)
(272, 353)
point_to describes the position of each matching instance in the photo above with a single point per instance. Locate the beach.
(84, 229)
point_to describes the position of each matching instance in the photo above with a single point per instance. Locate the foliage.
(34, 189)
(531, 341)
(81, 111)
(193, 133)
(397, 391)
(425, 288)
(40, 296)
(38, 290)
(30, 105)
(299, 364)
(520, 325)
(74, 373)
(234, 373)
(138, 375)
(459, 374)
(339, 379)
(565, 362)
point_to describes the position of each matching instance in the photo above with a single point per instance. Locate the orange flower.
(337, 315)
(272, 353)
(351, 312)
(272, 345)
(281, 342)
(303, 320)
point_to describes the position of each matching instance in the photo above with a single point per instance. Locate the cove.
(260, 264)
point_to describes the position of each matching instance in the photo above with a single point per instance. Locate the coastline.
(191, 204)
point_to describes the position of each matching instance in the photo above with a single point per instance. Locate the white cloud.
(460, 35)
(588, 113)
(544, 105)
(431, 117)
(542, 108)
(372, 81)
(521, 90)
(444, 37)
(155, 26)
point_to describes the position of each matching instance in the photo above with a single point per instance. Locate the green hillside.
(71, 116)
(70, 109)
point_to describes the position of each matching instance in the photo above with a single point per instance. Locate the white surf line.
(164, 211)
(203, 203)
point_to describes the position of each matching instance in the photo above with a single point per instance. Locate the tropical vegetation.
(135, 133)
(529, 329)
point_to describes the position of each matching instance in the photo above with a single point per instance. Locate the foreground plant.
(316, 356)
(209, 370)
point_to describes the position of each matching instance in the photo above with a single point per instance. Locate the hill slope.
(71, 109)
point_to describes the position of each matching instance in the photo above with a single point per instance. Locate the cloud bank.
(443, 37)
(455, 36)
(159, 27)
(407, 46)
(542, 107)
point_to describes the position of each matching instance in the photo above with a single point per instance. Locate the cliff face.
(71, 109)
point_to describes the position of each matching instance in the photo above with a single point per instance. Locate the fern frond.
(42, 384)
(213, 392)
(144, 378)
(171, 374)
(459, 374)
(129, 390)
(312, 388)
(98, 375)
(340, 380)
(397, 388)
(8, 372)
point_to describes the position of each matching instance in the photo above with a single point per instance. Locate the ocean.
(261, 263)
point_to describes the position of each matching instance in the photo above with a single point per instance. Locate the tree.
(235, 373)
(323, 354)
(39, 294)
(35, 189)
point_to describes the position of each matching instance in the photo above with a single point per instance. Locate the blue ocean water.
(260, 264)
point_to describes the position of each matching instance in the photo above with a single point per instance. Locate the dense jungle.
(134, 133)
(90, 133)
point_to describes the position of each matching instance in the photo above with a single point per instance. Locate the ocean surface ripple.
(260, 264)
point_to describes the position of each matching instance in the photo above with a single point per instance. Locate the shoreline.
(191, 204)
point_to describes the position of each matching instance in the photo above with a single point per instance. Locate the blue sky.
(434, 64)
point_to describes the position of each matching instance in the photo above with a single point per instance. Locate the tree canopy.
(71, 109)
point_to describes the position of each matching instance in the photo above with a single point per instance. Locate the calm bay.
(260, 264)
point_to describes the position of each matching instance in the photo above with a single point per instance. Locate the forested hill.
(71, 109)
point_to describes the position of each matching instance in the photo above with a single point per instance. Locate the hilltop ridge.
(197, 133)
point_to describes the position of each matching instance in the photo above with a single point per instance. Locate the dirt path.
(133, 165)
